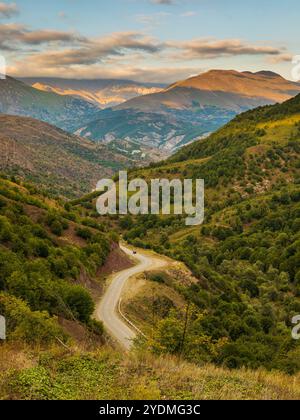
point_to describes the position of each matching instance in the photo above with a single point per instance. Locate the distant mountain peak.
(266, 85)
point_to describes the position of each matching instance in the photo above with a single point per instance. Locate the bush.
(79, 301)
(84, 233)
(33, 327)
(96, 327)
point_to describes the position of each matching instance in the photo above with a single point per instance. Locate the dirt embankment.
(115, 262)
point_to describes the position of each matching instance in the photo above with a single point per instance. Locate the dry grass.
(175, 379)
(54, 374)
(139, 298)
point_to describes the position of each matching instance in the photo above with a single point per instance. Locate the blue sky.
(155, 40)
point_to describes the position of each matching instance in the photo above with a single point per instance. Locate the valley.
(221, 312)
(149, 205)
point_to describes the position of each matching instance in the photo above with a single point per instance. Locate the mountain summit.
(223, 88)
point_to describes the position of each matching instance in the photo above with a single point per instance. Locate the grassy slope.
(28, 374)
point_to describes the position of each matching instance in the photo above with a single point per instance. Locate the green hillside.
(49, 258)
(108, 375)
(246, 256)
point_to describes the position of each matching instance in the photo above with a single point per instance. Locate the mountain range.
(189, 109)
(103, 93)
(163, 121)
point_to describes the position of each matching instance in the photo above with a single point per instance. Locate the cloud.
(13, 36)
(44, 36)
(8, 10)
(151, 74)
(94, 51)
(130, 54)
(281, 58)
(9, 33)
(155, 19)
(212, 48)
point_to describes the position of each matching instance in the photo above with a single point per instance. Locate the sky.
(148, 40)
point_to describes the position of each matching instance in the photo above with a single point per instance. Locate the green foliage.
(246, 256)
(79, 301)
(25, 325)
(96, 327)
(40, 271)
(84, 233)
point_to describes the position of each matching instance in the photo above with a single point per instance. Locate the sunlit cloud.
(212, 48)
(128, 54)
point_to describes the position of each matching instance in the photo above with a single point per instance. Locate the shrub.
(79, 301)
(84, 233)
(31, 326)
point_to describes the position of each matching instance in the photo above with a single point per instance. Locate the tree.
(79, 301)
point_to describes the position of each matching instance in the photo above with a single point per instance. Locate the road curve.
(107, 310)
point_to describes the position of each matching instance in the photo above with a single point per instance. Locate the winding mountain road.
(108, 310)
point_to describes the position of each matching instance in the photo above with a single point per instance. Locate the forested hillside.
(246, 256)
(49, 258)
